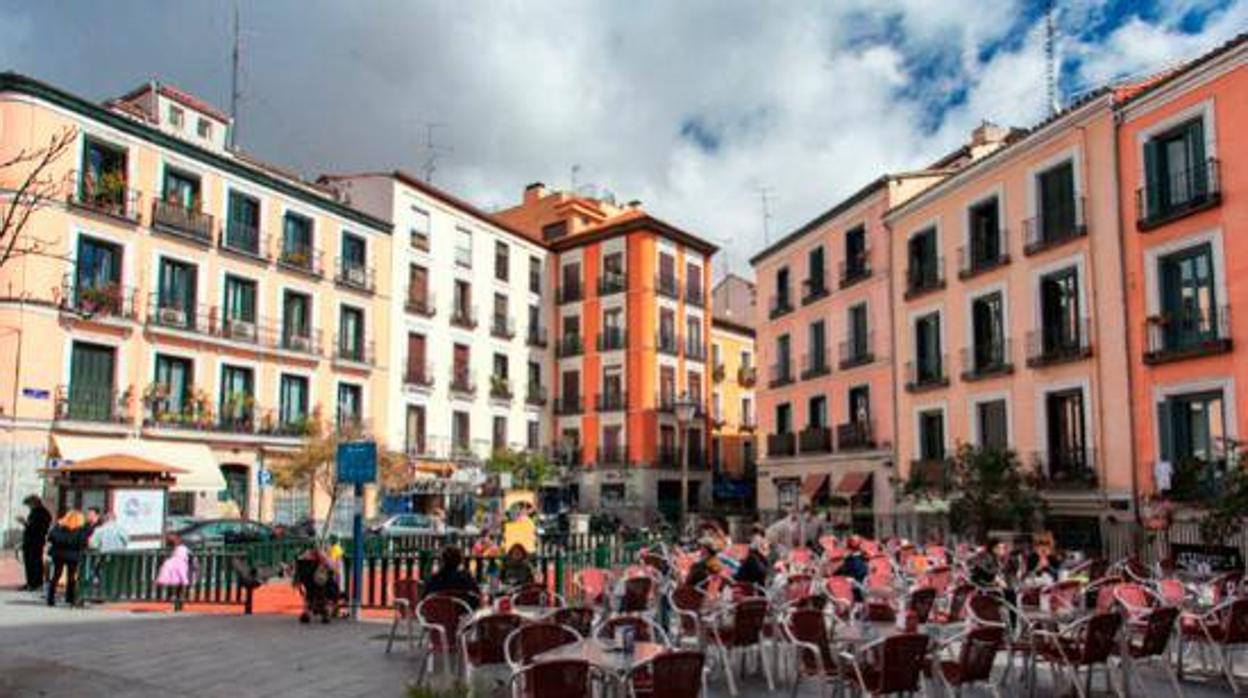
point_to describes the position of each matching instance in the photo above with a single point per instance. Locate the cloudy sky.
(692, 106)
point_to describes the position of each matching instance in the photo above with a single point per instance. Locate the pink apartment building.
(1008, 316)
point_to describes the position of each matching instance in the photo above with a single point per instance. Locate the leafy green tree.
(987, 490)
(1226, 498)
(528, 470)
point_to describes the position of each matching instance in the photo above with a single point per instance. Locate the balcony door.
(415, 436)
(1067, 441)
(988, 328)
(860, 405)
(1057, 201)
(415, 357)
(993, 425)
(99, 266)
(296, 317)
(92, 372)
(176, 287)
(927, 349)
(418, 285)
(1059, 310)
(1174, 163)
(1188, 303)
(1193, 427)
(240, 300)
(932, 435)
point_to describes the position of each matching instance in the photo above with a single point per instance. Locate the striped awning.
(854, 483)
(811, 484)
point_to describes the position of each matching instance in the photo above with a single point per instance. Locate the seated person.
(707, 566)
(517, 571)
(753, 569)
(451, 579)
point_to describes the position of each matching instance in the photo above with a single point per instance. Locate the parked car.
(416, 525)
(225, 532)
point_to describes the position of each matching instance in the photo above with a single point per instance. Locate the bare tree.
(38, 186)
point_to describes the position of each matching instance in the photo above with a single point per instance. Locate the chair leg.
(1228, 667)
(1174, 678)
(394, 629)
(762, 658)
(732, 682)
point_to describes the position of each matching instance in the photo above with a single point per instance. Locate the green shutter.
(1164, 431)
(1195, 137)
(1153, 185)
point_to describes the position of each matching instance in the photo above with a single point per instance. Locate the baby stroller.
(318, 583)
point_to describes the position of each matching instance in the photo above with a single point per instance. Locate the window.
(856, 266)
(612, 445)
(417, 370)
(1057, 206)
(784, 418)
(181, 189)
(924, 270)
(781, 303)
(1192, 427)
(612, 387)
(354, 258)
(554, 231)
(931, 435)
(351, 333)
(240, 308)
(92, 395)
(535, 375)
(859, 335)
(97, 276)
(1189, 310)
(418, 234)
(293, 401)
(177, 117)
(667, 274)
(859, 399)
(667, 331)
(746, 358)
(717, 358)
(572, 329)
(693, 283)
(463, 247)
(499, 433)
(1061, 326)
(993, 425)
(460, 365)
(502, 261)
(242, 229)
(613, 265)
(817, 348)
(571, 388)
(461, 433)
(693, 338)
(571, 290)
(693, 381)
(612, 329)
(988, 334)
(1177, 173)
(350, 405)
(782, 357)
(747, 411)
(816, 283)
(667, 386)
(238, 391)
(533, 435)
(174, 375)
(175, 295)
(297, 321)
(535, 275)
(297, 240)
(929, 361)
(1066, 439)
(717, 406)
(500, 366)
(415, 437)
(817, 412)
(984, 236)
(501, 318)
(203, 127)
(462, 312)
(418, 289)
(105, 178)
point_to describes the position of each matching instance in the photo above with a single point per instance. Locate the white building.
(469, 346)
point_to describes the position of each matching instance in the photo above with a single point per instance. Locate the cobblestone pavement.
(72, 653)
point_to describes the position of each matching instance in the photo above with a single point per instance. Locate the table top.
(863, 633)
(525, 612)
(603, 654)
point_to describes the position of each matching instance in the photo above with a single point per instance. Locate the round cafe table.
(606, 655)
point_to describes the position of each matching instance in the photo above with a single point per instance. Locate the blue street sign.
(264, 477)
(35, 393)
(357, 462)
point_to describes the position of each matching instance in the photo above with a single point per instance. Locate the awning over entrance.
(200, 471)
(119, 464)
(853, 484)
(811, 484)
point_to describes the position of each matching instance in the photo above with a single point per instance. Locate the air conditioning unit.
(300, 342)
(171, 316)
(239, 329)
(356, 275)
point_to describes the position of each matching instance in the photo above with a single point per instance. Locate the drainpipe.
(892, 350)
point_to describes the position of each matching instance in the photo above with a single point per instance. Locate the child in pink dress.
(175, 571)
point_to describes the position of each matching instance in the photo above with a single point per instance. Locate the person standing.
(34, 537)
(175, 571)
(67, 540)
(108, 536)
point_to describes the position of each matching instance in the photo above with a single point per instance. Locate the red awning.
(853, 484)
(811, 484)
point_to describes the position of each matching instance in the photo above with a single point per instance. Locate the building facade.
(182, 301)
(631, 328)
(734, 412)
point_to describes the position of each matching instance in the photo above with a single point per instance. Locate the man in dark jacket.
(67, 539)
(452, 579)
(34, 536)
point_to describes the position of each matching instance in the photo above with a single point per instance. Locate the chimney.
(534, 192)
(988, 133)
(634, 205)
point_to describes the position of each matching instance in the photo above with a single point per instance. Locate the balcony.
(815, 440)
(926, 375)
(1057, 345)
(667, 285)
(354, 275)
(535, 281)
(535, 395)
(815, 365)
(570, 293)
(667, 457)
(569, 405)
(974, 260)
(502, 327)
(536, 337)
(695, 350)
(781, 374)
(694, 295)
(420, 302)
(301, 340)
(354, 350)
(667, 343)
(302, 259)
(857, 351)
(718, 420)
(462, 382)
(174, 218)
(418, 376)
(464, 316)
(987, 360)
(932, 475)
(213, 321)
(719, 372)
(611, 401)
(855, 435)
(569, 345)
(747, 376)
(1072, 469)
(420, 241)
(111, 197)
(926, 278)
(611, 283)
(242, 239)
(612, 456)
(748, 422)
(1180, 194)
(500, 388)
(665, 402)
(855, 269)
(612, 339)
(98, 301)
(780, 305)
(813, 289)
(1188, 334)
(89, 403)
(1040, 234)
(782, 445)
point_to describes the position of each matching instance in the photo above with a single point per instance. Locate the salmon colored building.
(631, 326)
(1008, 317)
(183, 302)
(1182, 147)
(734, 411)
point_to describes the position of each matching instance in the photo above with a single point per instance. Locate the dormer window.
(204, 128)
(176, 116)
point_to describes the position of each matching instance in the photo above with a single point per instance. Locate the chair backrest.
(898, 661)
(674, 674)
(528, 641)
(1157, 628)
(985, 609)
(1063, 596)
(937, 578)
(979, 652)
(798, 586)
(644, 629)
(560, 677)
(747, 590)
(1133, 597)
(800, 556)
(810, 627)
(484, 639)
(688, 598)
(637, 592)
(1104, 588)
(817, 602)
(840, 588)
(1172, 590)
(533, 595)
(1235, 622)
(579, 618)
(446, 612)
(1098, 638)
(921, 601)
(591, 584)
(1225, 585)
(957, 601)
(748, 618)
(408, 591)
(880, 571)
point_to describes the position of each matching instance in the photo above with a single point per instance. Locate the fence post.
(559, 573)
(425, 562)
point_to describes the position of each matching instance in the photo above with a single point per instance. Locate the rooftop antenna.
(433, 150)
(1050, 57)
(764, 195)
(234, 88)
(576, 169)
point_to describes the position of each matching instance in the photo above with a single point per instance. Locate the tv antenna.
(576, 170)
(764, 196)
(234, 85)
(1050, 57)
(433, 150)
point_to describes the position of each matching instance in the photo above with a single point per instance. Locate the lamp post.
(684, 408)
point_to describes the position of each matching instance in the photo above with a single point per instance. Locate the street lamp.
(684, 408)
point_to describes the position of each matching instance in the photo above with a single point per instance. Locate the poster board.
(140, 512)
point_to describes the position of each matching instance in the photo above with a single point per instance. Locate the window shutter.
(1196, 148)
(1164, 431)
(1152, 180)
